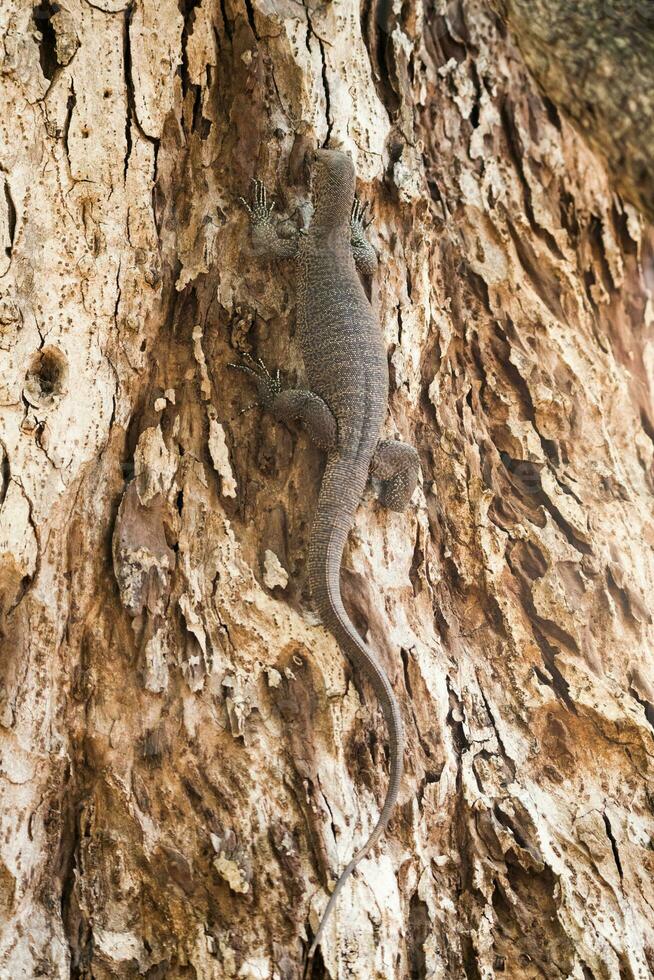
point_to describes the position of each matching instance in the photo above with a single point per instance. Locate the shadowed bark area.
(186, 762)
(595, 60)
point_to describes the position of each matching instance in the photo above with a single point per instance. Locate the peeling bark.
(186, 762)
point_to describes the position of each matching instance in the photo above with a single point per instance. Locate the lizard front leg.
(266, 240)
(293, 405)
(396, 465)
(364, 254)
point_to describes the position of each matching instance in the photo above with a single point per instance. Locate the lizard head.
(332, 186)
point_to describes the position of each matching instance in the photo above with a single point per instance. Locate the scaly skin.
(343, 409)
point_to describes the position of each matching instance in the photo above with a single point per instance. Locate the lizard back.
(340, 336)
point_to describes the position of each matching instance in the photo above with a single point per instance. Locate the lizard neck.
(326, 224)
(332, 191)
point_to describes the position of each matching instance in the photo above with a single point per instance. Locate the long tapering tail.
(340, 494)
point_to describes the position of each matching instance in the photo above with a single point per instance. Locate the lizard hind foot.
(292, 404)
(397, 466)
(269, 386)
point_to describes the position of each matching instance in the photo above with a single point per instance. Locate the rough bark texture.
(595, 59)
(185, 760)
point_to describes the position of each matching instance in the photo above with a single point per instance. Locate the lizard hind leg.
(293, 404)
(396, 465)
(298, 404)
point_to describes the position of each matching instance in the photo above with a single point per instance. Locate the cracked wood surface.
(185, 761)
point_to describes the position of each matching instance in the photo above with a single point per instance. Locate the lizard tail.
(341, 491)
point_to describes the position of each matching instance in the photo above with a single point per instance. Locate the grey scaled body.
(343, 409)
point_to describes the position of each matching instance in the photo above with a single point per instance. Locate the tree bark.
(186, 762)
(595, 59)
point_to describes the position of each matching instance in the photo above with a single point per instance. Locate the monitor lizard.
(343, 409)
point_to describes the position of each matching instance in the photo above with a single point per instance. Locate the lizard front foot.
(358, 223)
(364, 254)
(259, 210)
(266, 239)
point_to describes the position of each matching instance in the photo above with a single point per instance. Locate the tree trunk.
(186, 762)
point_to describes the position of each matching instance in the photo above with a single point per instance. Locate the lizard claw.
(268, 386)
(358, 221)
(259, 210)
